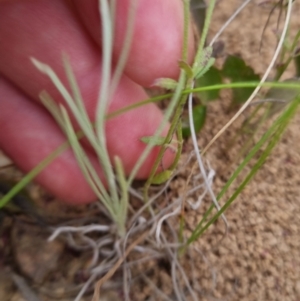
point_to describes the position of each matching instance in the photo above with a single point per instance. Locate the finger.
(28, 135)
(156, 46)
(44, 30)
(21, 36)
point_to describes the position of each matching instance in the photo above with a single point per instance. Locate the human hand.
(44, 29)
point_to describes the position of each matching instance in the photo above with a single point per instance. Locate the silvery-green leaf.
(204, 58)
(154, 140)
(166, 83)
(209, 64)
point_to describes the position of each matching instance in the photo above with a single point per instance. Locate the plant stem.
(176, 120)
(274, 133)
(204, 33)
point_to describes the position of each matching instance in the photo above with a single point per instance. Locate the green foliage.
(115, 204)
(153, 140)
(270, 140)
(186, 67)
(209, 64)
(206, 74)
(236, 70)
(205, 62)
(161, 177)
(115, 198)
(166, 83)
(212, 77)
(199, 116)
(297, 62)
(33, 173)
(280, 97)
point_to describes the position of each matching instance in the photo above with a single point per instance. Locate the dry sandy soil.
(260, 257)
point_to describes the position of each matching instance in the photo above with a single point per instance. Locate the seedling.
(129, 228)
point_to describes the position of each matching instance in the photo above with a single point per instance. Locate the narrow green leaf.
(209, 64)
(280, 97)
(272, 137)
(204, 59)
(187, 68)
(154, 140)
(166, 83)
(161, 177)
(297, 62)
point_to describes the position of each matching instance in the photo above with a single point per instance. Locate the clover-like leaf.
(212, 77)
(236, 70)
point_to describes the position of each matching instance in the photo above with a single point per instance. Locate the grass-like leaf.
(272, 136)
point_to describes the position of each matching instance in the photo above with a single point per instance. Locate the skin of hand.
(45, 29)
